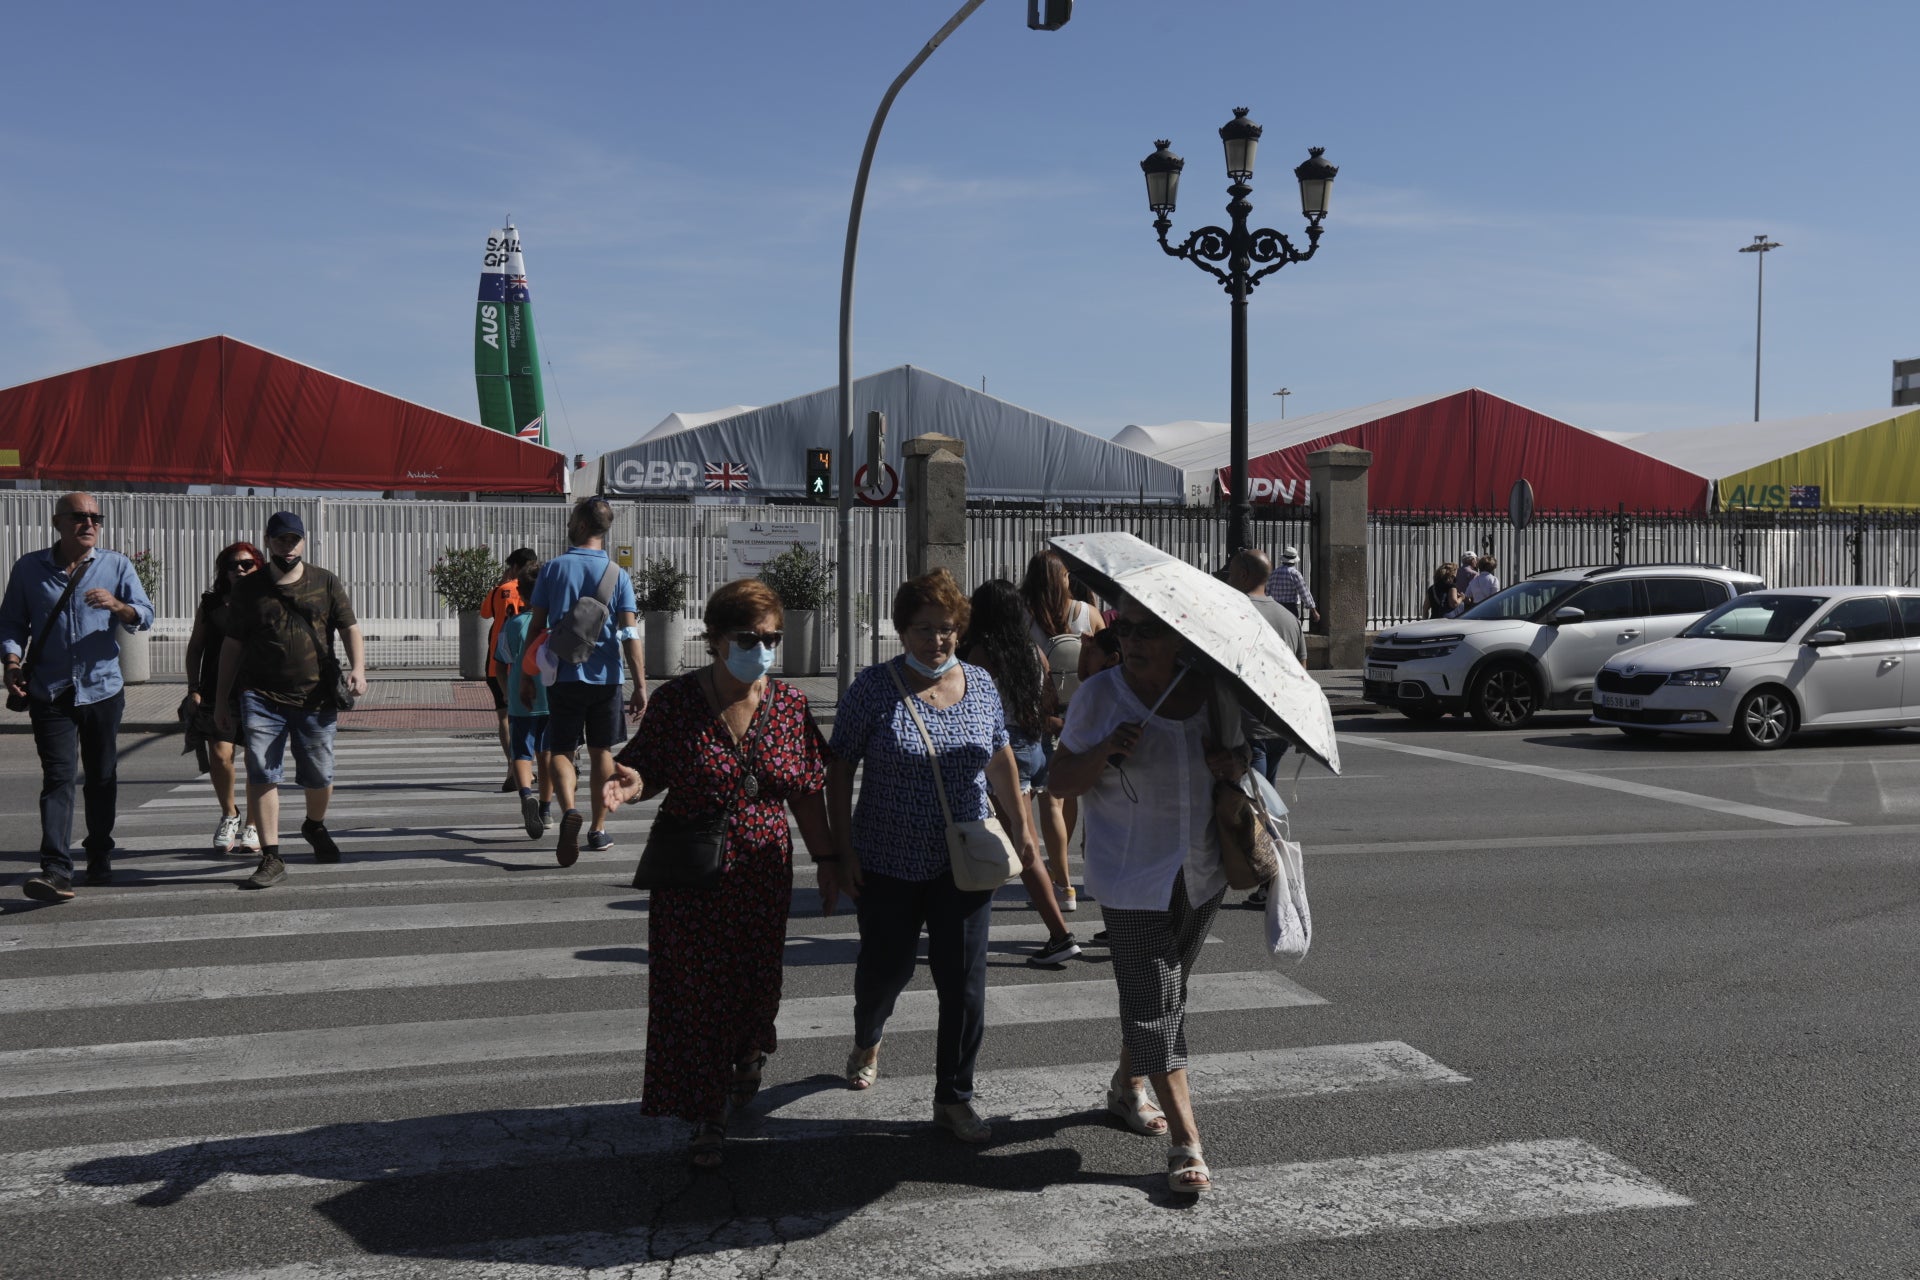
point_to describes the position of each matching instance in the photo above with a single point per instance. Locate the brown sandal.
(747, 1074)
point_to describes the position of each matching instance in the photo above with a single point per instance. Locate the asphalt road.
(1576, 1007)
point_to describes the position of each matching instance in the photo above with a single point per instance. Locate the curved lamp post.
(1250, 256)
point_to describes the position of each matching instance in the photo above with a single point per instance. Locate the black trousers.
(892, 912)
(58, 728)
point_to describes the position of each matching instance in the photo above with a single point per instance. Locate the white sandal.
(1136, 1111)
(1183, 1163)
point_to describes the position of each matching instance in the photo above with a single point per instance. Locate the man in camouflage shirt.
(277, 624)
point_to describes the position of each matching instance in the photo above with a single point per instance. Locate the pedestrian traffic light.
(1048, 15)
(819, 474)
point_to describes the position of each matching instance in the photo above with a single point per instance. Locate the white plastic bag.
(1289, 920)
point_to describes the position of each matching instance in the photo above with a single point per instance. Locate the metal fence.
(1786, 548)
(1001, 537)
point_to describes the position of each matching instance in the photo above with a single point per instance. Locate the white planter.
(797, 656)
(665, 638)
(473, 646)
(136, 661)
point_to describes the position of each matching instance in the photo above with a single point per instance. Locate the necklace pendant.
(752, 787)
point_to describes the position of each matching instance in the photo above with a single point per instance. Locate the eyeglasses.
(242, 566)
(1144, 629)
(86, 517)
(748, 639)
(928, 631)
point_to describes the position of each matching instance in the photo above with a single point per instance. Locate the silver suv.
(1537, 645)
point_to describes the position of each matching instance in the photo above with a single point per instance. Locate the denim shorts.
(1031, 756)
(265, 726)
(527, 735)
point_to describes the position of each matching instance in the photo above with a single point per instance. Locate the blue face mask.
(748, 665)
(932, 673)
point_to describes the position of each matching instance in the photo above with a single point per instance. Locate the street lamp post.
(1240, 248)
(1760, 247)
(1283, 393)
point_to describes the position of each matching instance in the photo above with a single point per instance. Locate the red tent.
(218, 411)
(1456, 452)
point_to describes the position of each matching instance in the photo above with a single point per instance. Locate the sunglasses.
(748, 639)
(1146, 629)
(242, 566)
(86, 517)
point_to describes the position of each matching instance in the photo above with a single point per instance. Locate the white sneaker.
(1064, 895)
(250, 839)
(227, 833)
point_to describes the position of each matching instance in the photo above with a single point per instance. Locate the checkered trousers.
(1153, 954)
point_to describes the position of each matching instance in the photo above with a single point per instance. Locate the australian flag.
(726, 476)
(516, 288)
(1803, 496)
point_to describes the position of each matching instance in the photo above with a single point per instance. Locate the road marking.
(140, 930)
(326, 1159)
(134, 888)
(1733, 808)
(157, 1064)
(1534, 844)
(392, 973)
(1047, 1227)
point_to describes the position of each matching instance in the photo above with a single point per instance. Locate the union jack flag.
(727, 475)
(532, 430)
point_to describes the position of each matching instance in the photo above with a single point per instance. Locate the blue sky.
(1541, 200)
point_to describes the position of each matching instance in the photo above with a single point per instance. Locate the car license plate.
(1619, 701)
(1382, 675)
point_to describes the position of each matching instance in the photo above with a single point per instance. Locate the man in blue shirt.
(73, 691)
(584, 699)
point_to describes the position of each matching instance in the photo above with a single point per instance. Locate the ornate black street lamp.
(1242, 250)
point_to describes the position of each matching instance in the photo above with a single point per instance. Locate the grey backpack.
(577, 633)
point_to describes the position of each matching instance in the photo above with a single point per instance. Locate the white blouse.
(1135, 850)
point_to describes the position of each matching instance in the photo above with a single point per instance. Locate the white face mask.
(932, 673)
(748, 665)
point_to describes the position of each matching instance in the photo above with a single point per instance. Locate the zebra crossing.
(469, 1019)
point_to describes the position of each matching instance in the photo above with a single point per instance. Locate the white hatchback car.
(1767, 665)
(1537, 645)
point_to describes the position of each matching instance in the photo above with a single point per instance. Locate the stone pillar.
(1339, 581)
(936, 508)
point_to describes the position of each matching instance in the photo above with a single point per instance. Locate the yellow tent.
(1866, 458)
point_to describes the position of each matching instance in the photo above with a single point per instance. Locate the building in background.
(1906, 382)
(1866, 458)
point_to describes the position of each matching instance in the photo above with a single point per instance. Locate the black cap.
(285, 522)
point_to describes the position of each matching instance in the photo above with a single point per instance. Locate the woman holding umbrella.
(1139, 745)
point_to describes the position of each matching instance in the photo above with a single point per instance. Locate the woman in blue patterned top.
(893, 846)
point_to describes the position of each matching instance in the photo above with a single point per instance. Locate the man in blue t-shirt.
(584, 699)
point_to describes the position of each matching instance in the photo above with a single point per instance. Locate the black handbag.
(683, 853)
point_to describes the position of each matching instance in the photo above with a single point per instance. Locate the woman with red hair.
(203, 682)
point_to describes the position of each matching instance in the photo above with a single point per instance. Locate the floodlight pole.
(1760, 246)
(843, 600)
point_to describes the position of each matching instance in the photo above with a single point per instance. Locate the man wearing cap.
(1287, 587)
(280, 624)
(73, 691)
(1463, 576)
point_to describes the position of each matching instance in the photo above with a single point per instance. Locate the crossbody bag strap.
(933, 756)
(37, 642)
(299, 611)
(608, 582)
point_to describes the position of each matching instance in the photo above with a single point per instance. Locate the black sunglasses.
(86, 517)
(748, 639)
(242, 566)
(1146, 629)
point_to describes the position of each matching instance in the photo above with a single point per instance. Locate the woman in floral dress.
(725, 739)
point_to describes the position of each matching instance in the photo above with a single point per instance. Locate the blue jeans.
(1266, 755)
(266, 725)
(891, 913)
(57, 727)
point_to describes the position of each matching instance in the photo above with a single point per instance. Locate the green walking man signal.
(819, 474)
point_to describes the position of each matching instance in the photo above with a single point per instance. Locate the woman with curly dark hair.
(997, 640)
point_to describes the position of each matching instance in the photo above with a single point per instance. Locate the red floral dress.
(713, 985)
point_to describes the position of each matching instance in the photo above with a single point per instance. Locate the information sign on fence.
(751, 543)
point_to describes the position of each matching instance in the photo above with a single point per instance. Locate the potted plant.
(136, 660)
(660, 588)
(801, 578)
(463, 578)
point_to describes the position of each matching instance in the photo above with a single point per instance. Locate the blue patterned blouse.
(897, 827)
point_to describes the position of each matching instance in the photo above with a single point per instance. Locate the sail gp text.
(657, 473)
